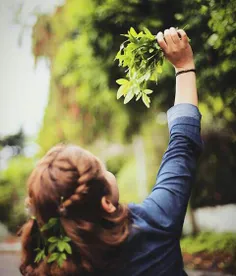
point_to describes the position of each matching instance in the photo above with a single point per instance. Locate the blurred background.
(58, 84)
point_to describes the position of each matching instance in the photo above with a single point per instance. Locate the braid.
(77, 176)
(76, 198)
(77, 172)
(66, 172)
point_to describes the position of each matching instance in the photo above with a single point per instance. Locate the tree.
(13, 189)
(16, 141)
(81, 40)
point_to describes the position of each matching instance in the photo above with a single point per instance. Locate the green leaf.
(146, 31)
(145, 77)
(136, 90)
(52, 247)
(60, 262)
(40, 256)
(159, 69)
(45, 227)
(68, 248)
(212, 39)
(119, 56)
(66, 239)
(146, 100)
(61, 259)
(37, 258)
(53, 257)
(122, 91)
(133, 32)
(129, 97)
(132, 39)
(122, 81)
(52, 222)
(139, 96)
(147, 91)
(63, 256)
(142, 57)
(53, 239)
(61, 245)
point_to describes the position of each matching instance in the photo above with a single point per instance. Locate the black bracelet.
(185, 71)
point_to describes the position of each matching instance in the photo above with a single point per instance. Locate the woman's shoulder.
(138, 214)
(144, 222)
(141, 221)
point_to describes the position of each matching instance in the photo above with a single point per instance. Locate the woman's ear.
(107, 205)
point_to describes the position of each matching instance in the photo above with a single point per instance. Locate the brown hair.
(75, 174)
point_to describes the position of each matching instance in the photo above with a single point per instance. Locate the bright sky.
(23, 87)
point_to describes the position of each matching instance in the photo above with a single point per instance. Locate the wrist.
(185, 71)
(184, 67)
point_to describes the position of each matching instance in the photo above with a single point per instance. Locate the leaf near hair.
(55, 247)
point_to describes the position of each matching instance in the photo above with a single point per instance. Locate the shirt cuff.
(183, 110)
(185, 119)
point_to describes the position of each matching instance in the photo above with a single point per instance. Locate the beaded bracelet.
(185, 71)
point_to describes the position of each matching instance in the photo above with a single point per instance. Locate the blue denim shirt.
(153, 247)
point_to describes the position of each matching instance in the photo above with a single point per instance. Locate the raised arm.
(166, 205)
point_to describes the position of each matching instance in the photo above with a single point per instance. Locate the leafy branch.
(143, 58)
(55, 247)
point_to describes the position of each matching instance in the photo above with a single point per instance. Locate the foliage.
(81, 40)
(114, 164)
(143, 57)
(82, 51)
(126, 179)
(210, 242)
(16, 141)
(212, 28)
(13, 189)
(210, 252)
(55, 247)
(82, 106)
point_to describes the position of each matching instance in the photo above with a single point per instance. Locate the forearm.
(186, 90)
(177, 50)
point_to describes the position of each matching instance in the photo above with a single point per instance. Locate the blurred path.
(9, 263)
(205, 273)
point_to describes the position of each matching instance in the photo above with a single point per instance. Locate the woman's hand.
(176, 48)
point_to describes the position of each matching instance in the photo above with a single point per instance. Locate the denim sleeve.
(166, 205)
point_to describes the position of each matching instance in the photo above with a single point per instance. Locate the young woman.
(78, 225)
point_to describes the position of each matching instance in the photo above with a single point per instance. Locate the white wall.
(217, 219)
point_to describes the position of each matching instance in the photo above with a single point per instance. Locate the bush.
(13, 190)
(209, 242)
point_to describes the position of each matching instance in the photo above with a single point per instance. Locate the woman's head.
(69, 179)
(72, 184)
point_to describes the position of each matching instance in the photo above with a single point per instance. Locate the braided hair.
(75, 175)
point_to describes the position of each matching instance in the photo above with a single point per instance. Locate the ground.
(9, 263)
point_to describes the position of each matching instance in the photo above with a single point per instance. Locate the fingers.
(171, 38)
(161, 41)
(167, 37)
(176, 47)
(174, 35)
(183, 35)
